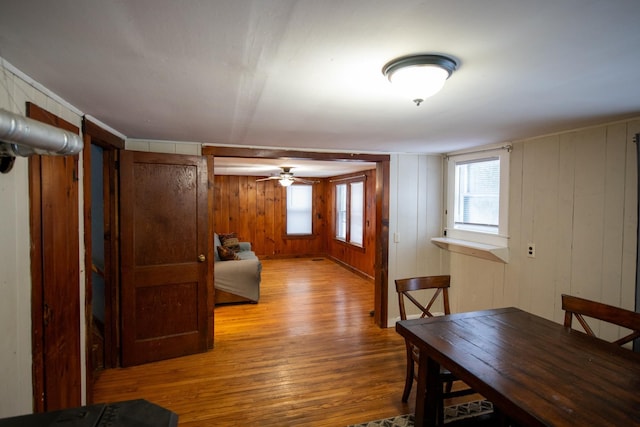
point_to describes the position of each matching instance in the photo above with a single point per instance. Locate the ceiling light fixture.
(419, 76)
(286, 180)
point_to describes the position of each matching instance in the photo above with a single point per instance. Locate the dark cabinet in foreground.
(131, 413)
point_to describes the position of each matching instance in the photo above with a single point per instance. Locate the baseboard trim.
(350, 268)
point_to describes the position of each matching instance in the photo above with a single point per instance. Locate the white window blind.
(299, 209)
(356, 211)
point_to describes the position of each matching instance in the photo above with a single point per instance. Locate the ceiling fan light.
(419, 76)
(286, 181)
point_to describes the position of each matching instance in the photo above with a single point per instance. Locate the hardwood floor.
(308, 354)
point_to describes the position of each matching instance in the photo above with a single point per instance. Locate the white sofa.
(237, 280)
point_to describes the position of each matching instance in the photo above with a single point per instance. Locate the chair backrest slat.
(580, 307)
(440, 284)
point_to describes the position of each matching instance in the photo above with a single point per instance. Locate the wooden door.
(55, 274)
(164, 247)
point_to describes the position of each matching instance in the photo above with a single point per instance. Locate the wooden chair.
(407, 289)
(580, 307)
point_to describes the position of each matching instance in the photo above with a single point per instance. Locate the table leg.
(427, 393)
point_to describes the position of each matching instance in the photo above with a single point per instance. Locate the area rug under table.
(451, 413)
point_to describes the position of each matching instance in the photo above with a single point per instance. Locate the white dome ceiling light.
(419, 76)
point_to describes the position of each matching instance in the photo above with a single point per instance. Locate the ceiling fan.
(286, 178)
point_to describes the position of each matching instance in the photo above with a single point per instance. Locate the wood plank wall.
(256, 211)
(574, 195)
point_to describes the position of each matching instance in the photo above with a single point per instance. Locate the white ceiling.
(306, 74)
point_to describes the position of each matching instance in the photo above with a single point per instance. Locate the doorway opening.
(100, 158)
(381, 205)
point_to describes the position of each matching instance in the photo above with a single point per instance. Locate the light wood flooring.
(308, 354)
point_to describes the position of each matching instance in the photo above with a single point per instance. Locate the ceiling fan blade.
(267, 179)
(305, 181)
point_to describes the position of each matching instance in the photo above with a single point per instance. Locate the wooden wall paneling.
(423, 233)
(628, 294)
(234, 204)
(318, 208)
(544, 227)
(615, 145)
(516, 258)
(327, 215)
(249, 217)
(260, 222)
(433, 202)
(613, 243)
(278, 219)
(589, 214)
(529, 177)
(221, 208)
(270, 216)
(330, 220)
(477, 281)
(564, 220)
(407, 260)
(320, 215)
(244, 215)
(260, 216)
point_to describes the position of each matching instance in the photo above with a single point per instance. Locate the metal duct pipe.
(26, 136)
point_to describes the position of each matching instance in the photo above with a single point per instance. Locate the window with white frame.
(478, 196)
(299, 209)
(350, 212)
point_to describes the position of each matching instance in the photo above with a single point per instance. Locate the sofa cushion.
(226, 254)
(246, 255)
(230, 240)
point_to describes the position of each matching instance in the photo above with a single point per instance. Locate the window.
(341, 211)
(350, 212)
(299, 210)
(477, 202)
(356, 213)
(477, 196)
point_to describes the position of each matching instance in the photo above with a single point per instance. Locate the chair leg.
(408, 381)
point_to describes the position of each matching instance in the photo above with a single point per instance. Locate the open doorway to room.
(100, 158)
(381, 205)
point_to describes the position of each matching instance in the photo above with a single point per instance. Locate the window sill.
(480, 250)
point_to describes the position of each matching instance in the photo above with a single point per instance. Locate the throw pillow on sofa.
(230, 240)
(226, 254)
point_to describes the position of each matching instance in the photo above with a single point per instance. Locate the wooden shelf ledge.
(480, 250)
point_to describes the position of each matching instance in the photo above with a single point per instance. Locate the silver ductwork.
(22, 136)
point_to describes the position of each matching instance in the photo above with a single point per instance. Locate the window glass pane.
(299, 209)
(357, 213)
(477, 198)
(341, 211)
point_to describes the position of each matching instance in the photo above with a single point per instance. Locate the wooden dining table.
(535, 371)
